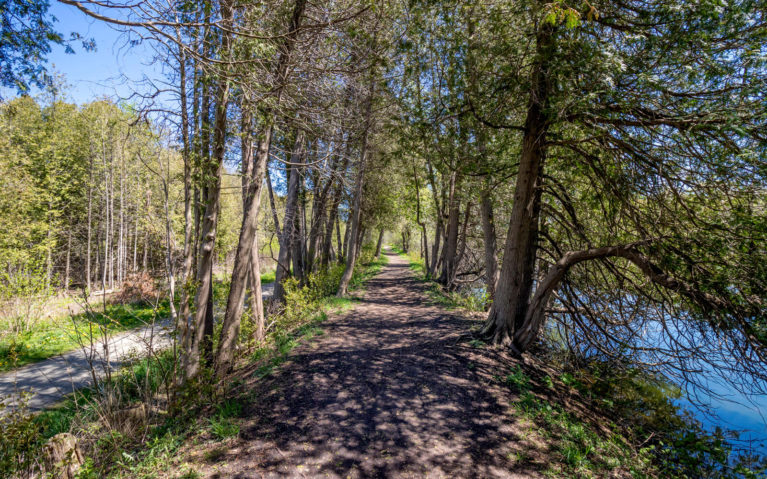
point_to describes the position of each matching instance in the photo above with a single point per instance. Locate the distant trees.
(84, 207)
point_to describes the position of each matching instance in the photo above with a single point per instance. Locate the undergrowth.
(645, 435)
(134, 425)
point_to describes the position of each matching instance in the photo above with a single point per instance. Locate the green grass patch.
(55, 336)
(267, 277)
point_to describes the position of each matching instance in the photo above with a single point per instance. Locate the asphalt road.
(53, 378)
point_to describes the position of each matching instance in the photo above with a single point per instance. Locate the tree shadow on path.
(387, 391)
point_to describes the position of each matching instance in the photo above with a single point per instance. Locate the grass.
(581, 451)
(51, 337)
(267, 277)
(59, 335)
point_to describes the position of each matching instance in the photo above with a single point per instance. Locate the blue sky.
(99, 73)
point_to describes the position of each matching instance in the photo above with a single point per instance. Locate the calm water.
(723, 407)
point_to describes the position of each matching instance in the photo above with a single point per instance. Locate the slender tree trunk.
(66, 266)
(345, 245)
(379, 243)
(90, 227)
(450, 252)
(246, 257)
(288, 231)
(435, 250)
(338, 190)
(277, 229)
(256, 299)
(182, 323)
(351, 258)
(488, 231)
(201, 332)
(338, 238)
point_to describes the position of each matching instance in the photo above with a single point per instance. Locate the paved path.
(55, 377)
(392, 389)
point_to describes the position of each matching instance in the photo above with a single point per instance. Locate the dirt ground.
(392, 389)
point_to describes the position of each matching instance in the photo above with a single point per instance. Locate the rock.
(62, 457)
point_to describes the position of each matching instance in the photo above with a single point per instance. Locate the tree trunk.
(277, 229)
(246, 259)
(66, 266)
(449, 254)
(200, 331)
(256, 299)
(488, 231)
(517, 273)
(333, 215)
(90, 227)
(345, 245)
(288, 231)
(357, 202)
(379, 243)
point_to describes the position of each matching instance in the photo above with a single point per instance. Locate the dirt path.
(388, 391)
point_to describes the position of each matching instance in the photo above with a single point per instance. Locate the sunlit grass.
(51, 337)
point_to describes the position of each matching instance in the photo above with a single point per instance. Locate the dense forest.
(588, 177)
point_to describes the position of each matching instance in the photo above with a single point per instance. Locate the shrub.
(138, 287)
(21, 439)
(24, 294)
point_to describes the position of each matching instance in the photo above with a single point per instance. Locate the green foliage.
(223, 428)
(672, 441)
(267, 277)
(26, 36)
(517, 380)
(582, 451)
(21, 439)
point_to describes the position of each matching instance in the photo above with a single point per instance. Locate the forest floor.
(394, 388)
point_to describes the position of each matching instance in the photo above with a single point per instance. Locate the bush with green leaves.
(21, 439)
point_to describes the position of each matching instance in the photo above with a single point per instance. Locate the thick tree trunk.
(517, 273)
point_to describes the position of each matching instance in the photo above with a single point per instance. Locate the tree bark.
(517, 273)
(450, 251)
(245, 266)
(199, 330)
(379, 243)
(288, 230)
(356, 208)
(488, 231)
